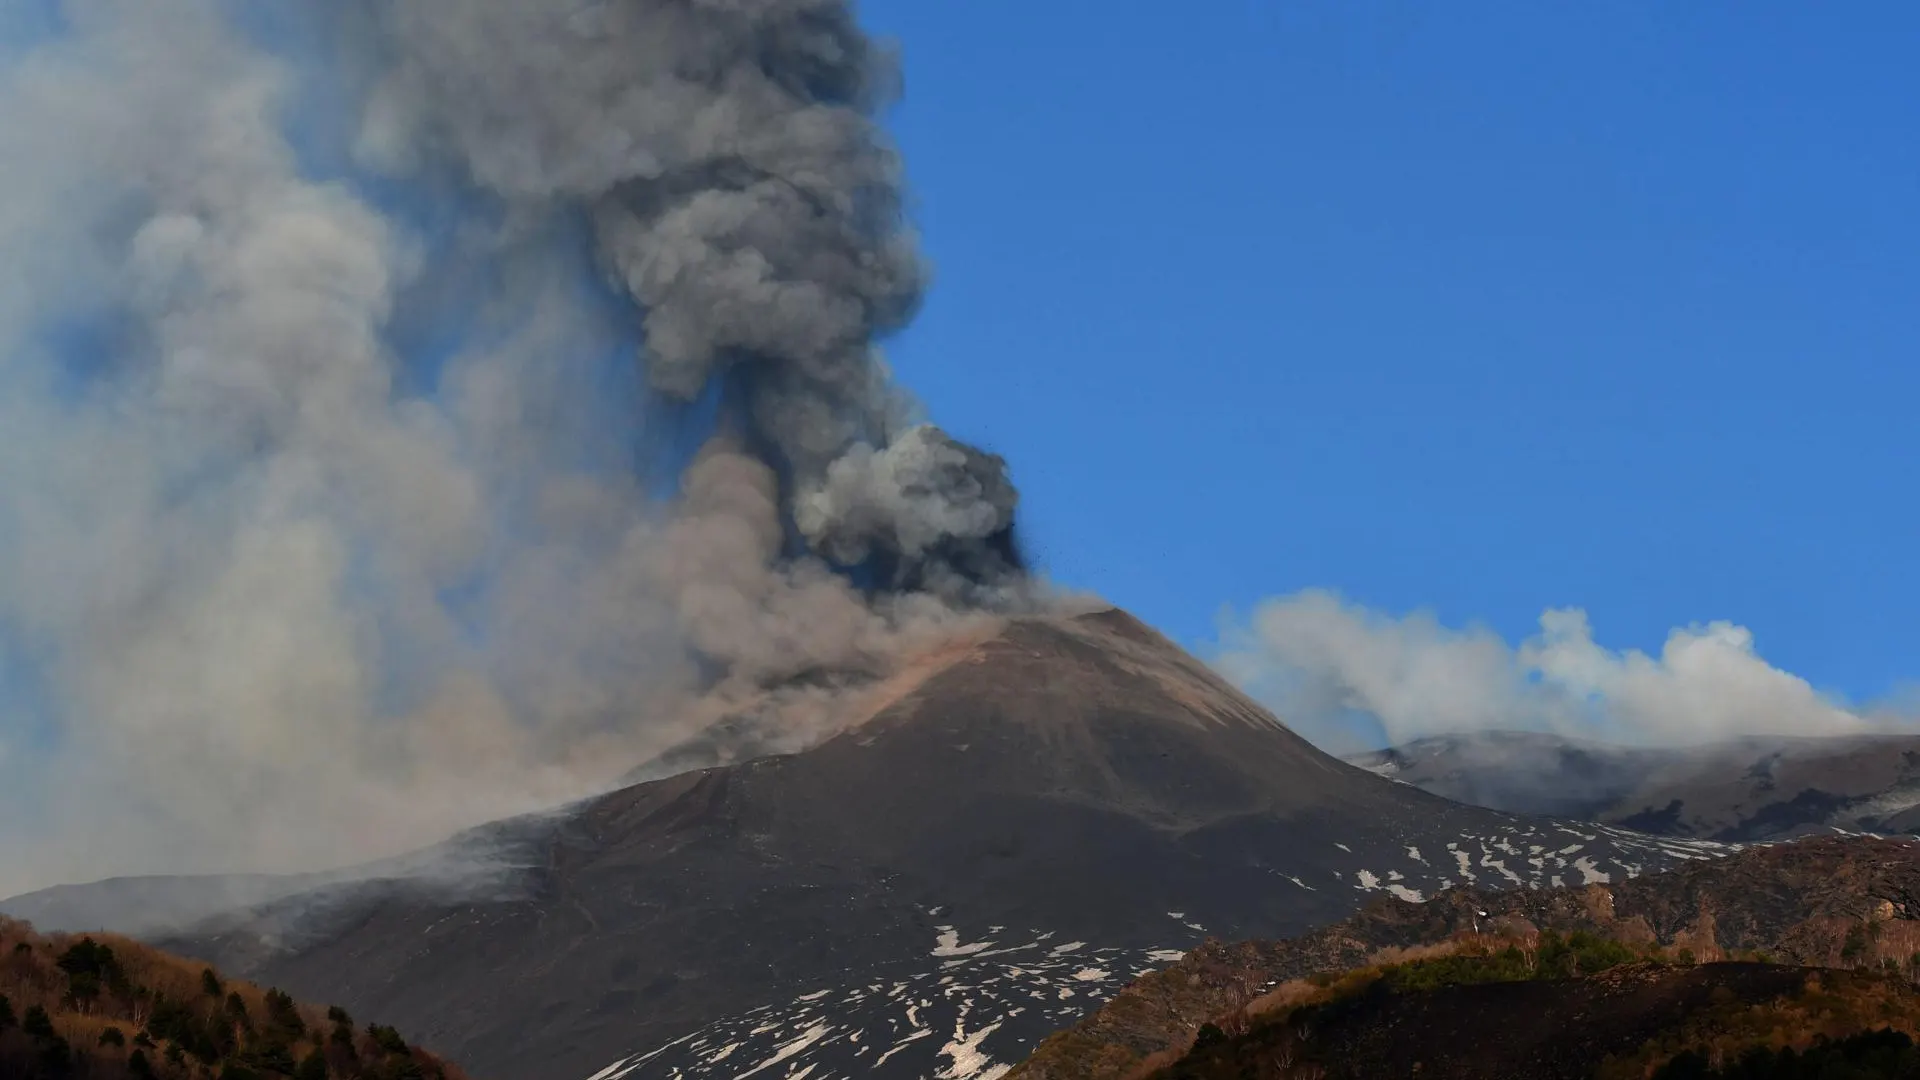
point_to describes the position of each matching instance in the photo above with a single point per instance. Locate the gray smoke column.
(742, 194)
(328, 333)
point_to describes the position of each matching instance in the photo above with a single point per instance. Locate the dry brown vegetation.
(1849, 904)
(103, 1007)
(1607, 1009)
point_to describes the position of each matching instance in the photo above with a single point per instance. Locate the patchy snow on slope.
(982, 997)
(989, 1013)
(948, 944)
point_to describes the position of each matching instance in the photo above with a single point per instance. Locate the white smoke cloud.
(1350, 677)
(282, 596)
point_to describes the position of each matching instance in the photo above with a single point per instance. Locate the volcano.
(1019, 825)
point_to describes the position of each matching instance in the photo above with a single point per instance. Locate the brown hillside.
(103, 1007)
(1625, 1021)
(1845, 903)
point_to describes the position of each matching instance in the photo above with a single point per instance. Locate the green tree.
(210, 983)
(387, 1039)
(139, 1066)
(7, 1019)
(37, 1023)
(56, 1056)
(1209, 1035)
(113, 1036)
(312, 1067)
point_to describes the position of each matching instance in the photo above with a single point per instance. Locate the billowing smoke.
(1353, 679)
(740, 193)
(341, 345)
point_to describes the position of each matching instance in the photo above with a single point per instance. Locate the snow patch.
(807, 1038)
(948, 944)
(968, 1061)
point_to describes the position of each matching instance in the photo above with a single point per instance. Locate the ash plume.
(338, 341)
(742, 195)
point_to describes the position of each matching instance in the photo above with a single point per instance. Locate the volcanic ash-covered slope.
(1020, 825)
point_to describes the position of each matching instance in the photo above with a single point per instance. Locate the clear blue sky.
(1509, 306)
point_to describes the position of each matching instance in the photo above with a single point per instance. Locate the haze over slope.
(1757, 788)
(1022, 822)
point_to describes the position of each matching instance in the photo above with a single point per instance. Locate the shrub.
(37, 1023)
(313, 1067)
(1580, 953)
(1883, 1053)
(387, 1039)
(1507, 965)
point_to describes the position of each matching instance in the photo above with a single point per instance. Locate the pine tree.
(313, 1067)
(37, 1023)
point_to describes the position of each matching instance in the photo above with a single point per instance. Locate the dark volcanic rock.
(1068, 782)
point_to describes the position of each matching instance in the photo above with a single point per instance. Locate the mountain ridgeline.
(1739, 791)
(1006, 831)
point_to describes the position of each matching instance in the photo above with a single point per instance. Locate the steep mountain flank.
(1006, 832)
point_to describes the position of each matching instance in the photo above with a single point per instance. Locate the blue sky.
(1515, 307)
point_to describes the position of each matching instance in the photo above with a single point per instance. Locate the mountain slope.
(1848, 903)
(1742, 790)
(1440, 1020)
(1069, 786)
